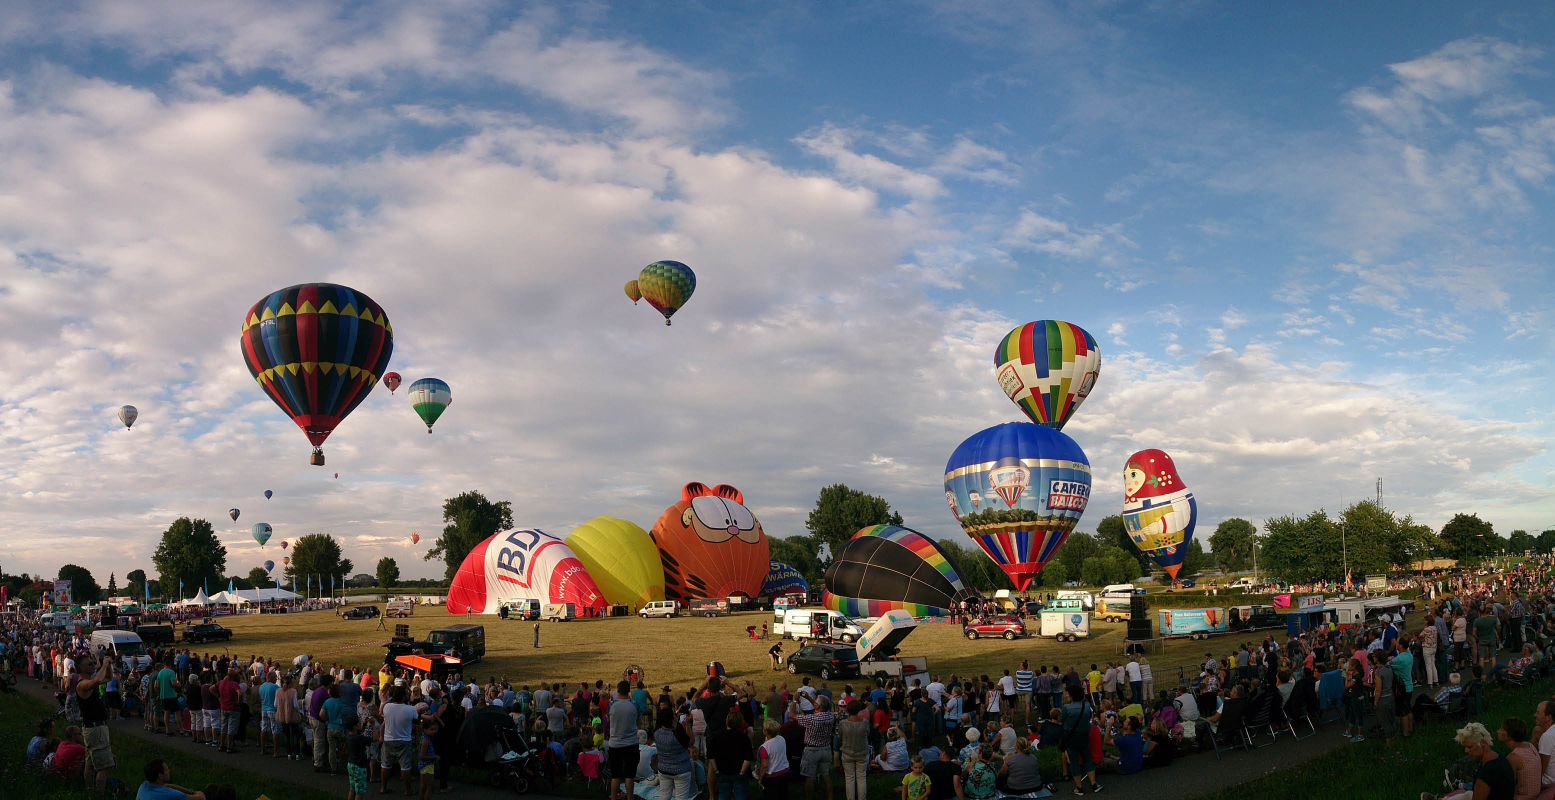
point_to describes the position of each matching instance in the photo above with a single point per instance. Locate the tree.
(189, 554)
(1111, 531)
(135, 583)
(1195, 561)
(258, 578)
(977, 570)
(1078, 547)
(1466, 537)
(318, 555)
(83, 587)
(1372, 539)
(1418, 540)
(1094, 571)
(841, 512)
(1520, 542)
(798, 552)
(1547, 541)
(469, 519)
(388, 572)
(1232, 543)
(113, 586)
(244, 581)
(1054, 576)
(1301, 549)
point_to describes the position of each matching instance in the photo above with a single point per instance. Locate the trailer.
(1065, 625)
(1308, 613)
(1116, 607)
(1193, 623)
(878, 647)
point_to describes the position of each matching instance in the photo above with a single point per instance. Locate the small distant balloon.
(392, 380)
(128, 415)
(286, 561)
(261, 532)
(233, 513)
(337, 476)
(633, 292)
(268, 493)
(269, 566)
(430, 397)
(284, 545)
(415, 538)
(667, 285)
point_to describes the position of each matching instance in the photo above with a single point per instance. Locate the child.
(428, 762)
(915, 784)
(357, 743)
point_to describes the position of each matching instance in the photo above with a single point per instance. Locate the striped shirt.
(1023, 679)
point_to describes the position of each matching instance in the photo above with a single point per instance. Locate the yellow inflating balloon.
(622, 558)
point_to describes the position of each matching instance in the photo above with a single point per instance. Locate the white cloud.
(837, 146)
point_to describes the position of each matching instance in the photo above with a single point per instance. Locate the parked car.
(826, 660)
(156, 635)
(464, 642)
(362, 612)
(708, 607)
(210, 632)
(1187, 583)
(659, 608)
(1009, 629)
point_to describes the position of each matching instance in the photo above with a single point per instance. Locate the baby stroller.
(520, 766)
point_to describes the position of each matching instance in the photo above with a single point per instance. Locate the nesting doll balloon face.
(711, 545)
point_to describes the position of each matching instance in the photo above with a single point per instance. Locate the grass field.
(670, 651)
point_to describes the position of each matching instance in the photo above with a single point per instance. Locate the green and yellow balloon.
(667, 285)
(430, 396)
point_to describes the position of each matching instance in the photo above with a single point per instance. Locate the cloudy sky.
(1314, 244)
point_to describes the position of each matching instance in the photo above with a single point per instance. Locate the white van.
(660, 608)
(124, 647)
(1086, 599)
(796, 625)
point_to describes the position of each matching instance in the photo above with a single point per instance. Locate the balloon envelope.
(622, 558)
(415, 538)
(269, 566)
(1048, 368)
(783, 579)
(521, 565)
(128, 415)
(888, 567)
(430, 396)
(633, 292)
(317, 350)
(392, 380)
(261, 532)
(1159, 512)
(1020, 530)
(233, 513)
(284, 545)
(711, 545)
(667, 285)
(268, 493)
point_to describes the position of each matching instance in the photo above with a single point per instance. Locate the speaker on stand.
(1138, 619)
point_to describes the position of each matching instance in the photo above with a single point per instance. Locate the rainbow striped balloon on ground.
(1159, 512)
(888, 567)
(1048, 367)
(1018, 490)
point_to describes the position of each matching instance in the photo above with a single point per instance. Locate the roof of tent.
(198, 600)
(242, 596)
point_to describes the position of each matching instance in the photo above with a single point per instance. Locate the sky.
(1314, 245)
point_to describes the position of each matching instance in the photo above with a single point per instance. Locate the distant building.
(362, 579)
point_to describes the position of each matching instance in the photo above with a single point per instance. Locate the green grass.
(1372, 770)
(20, 714)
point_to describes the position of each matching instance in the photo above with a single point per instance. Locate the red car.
(1009, 629)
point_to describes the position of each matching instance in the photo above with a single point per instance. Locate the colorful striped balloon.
(1048, 367)
(667, 285)
(1018, 490)
(886, 567)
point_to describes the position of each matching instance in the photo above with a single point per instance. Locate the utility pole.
(1379, 492)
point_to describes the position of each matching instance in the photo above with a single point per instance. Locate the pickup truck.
(195, 634)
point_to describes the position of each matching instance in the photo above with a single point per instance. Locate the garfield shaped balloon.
(711, 545)
(1159, 512)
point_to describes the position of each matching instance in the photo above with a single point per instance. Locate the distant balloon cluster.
(666, 285)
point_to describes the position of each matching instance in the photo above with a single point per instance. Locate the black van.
(468, 642)
(155, 635)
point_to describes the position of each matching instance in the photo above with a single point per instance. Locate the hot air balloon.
(415, 538)
(284, 545)
(622, 558)
(429, 396)
(521, 565)
(337, 476)
(286, 561)
(261, 532)
(888, 567)
(1048, 368)
(1020, 530)
(667, 285)
(233, 513)
(783, 579)
(128, 415)
(1159, 512)
(633, 292)
(269, 566)
(317, 349)
(392, 380)
(711, 545)
(268, 494)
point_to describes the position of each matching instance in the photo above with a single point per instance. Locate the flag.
(332, 584)
(180, 587)
(147, 587)
(230, 586)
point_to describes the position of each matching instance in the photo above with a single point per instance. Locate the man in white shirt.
(1189, 706)
(1136, 680)
(1546, 720)
(936, 691)
(807, 697)
(399, 727)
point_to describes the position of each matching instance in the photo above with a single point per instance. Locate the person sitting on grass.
(1493, 775)
(42, 744)
(895, 757)
(158, 787)
(981, 780)
(69, 756)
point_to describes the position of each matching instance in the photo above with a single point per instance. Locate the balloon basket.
(666, 323)
(317, 459)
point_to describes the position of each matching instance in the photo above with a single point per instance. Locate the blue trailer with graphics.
(1192, 623)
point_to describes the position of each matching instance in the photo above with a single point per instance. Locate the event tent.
(198, 600)
(244, 596)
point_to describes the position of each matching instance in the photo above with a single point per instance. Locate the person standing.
(228, 695)
(318, 724)
(621, 753)
(337, 716)
(1025, 684)
(677, 778)
(1076, 739)
(537, 635)
(168, 689)
(773, 761)
(854, 735)
(815, 764)
(1136, 680)
(732, 758)
(94, 721)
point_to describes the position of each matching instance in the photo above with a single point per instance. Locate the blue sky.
(1314, 244)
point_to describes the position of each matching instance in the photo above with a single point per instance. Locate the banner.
(61, 593)
(5, 597)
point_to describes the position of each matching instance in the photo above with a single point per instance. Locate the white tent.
(245, 596)
(198, 600)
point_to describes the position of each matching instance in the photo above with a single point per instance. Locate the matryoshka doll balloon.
(1159, 512)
